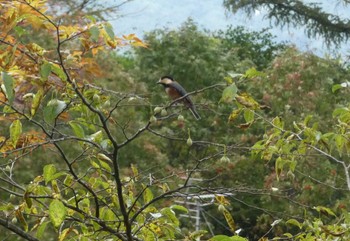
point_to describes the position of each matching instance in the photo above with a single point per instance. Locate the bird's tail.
(195, 113)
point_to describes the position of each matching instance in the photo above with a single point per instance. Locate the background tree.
(70, 10)
(318, 22)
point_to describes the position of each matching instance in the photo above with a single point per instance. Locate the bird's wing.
(181, 91)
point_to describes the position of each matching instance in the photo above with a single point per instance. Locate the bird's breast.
(173, 93)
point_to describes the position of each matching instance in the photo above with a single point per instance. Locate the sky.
(142, 16)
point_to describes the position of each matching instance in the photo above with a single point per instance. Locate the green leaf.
(135, 171)
(57, 212)
(252, 72)
(48, 172)
(41, 229)
(167, 212)
(95, 165)
(278, 167)
(234, 75)
(8, 83)
(105, 166)
(59, 72)
(179, 208)
(295, 223)
(19, 31)
(227, 238)
(339, 111)
(109, 30)
(197, 234)
(45, 70)
(336, 87)
(95, 33)
(248, 115)
(49, 114)
(340, 142)
(288, 235)
(220, 238)
(7, 110)
(8, 207)
(15, 132)
(229, 94)
(307, 120)
(91, 18)
(238, 238)
(83, 238)
(343, 114)
(107, 214)
(325, 210)
(147, 195)
(68, 181)
(77, 129)
(277, 122)
(53, 108)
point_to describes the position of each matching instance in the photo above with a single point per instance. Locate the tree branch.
(14, 228)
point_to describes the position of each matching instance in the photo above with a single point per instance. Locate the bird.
(176, 91)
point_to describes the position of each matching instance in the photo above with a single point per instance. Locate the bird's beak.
(159, 81)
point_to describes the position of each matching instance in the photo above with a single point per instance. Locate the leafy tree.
(318, 22)
(76, 9)
(308, 163)
(256, 46)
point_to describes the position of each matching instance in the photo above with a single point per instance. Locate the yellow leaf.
(234, 114)
(222, 200)
(111, 43)
(247, 101)
(34, 48)
(15, 132)
(94, 51)
(135, 171)
(36, 101)
(21, 219)
(129, 37)
(229, 220)
(64, 234)
(138, 42)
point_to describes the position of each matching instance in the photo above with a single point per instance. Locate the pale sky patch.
(146, 15)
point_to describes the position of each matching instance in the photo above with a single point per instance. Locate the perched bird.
(176, 91)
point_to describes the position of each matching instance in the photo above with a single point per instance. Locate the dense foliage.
(92, 149)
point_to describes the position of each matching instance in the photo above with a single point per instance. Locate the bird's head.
(165, 80)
